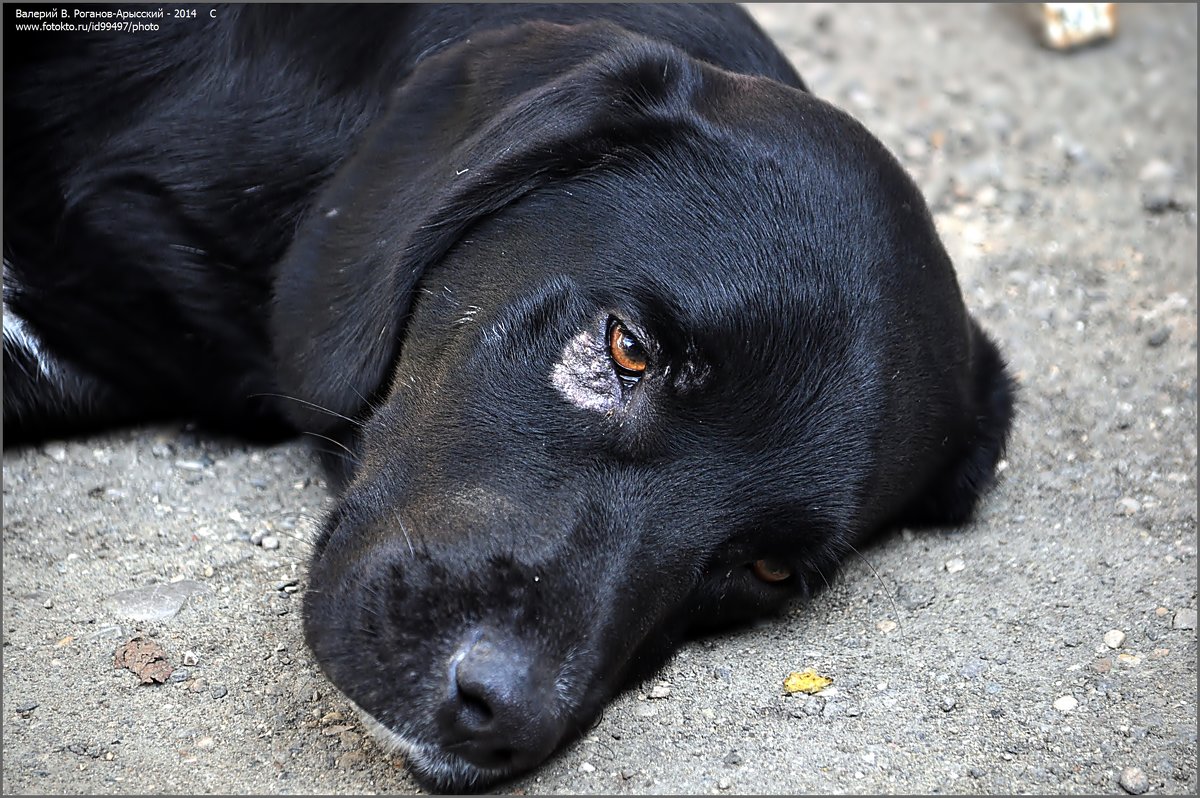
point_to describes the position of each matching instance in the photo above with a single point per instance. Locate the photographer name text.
(94, 20)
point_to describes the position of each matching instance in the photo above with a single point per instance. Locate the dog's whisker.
(821, 573)
(350, 452)
(889, 593)
(313, 405)
(374, 406)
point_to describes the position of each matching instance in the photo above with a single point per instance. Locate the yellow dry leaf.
(808, 681)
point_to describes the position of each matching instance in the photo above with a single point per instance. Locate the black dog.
(628, 335)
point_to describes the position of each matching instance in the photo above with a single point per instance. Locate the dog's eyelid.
(629, 321)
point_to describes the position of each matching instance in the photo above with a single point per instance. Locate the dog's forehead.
(753, 247)
(764, 114)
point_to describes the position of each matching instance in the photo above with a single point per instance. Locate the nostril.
(499, 711)
(475, 709)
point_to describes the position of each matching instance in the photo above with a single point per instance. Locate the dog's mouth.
(432, 765)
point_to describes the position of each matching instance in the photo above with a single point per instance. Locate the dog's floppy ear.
(473, 128)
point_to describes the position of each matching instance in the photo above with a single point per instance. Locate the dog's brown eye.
(771, 570)
(626, 353)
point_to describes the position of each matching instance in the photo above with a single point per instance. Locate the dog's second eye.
(771, 570)
(626, 352)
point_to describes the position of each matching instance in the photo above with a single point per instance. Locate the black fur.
(412, 230)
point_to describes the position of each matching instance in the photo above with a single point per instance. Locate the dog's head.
(639, 348)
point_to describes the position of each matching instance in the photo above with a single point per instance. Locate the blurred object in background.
(1065, 26)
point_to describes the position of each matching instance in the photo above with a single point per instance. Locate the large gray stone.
(154, 602)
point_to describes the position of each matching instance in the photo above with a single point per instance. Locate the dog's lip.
(431, 763)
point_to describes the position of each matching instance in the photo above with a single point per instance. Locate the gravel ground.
(1050, 647)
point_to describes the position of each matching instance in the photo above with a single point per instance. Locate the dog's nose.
(501, 709)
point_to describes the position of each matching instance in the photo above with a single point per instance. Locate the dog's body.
(626, 334)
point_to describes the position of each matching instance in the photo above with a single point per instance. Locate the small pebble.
(861, 98)
(955, 565)
(724, 784)
(269, 542)
(987, 196)
(1155, 171)
(1134, 781)
(350, 759)
(1065, 703)
(915, 148)
(956, 90)
(973, 669)
(219, 691)
(660, 691)
(26, 707)
(56, 452)
(1102, 665)
(1159, 337)
(205, 743)
(886, 626)
(587, 767)
(1128, 506)
(1159, 197)
(1184, 619)
(948, 704)
(191, 659)
(915, 597)
(1114, 638)
(1157, 180)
